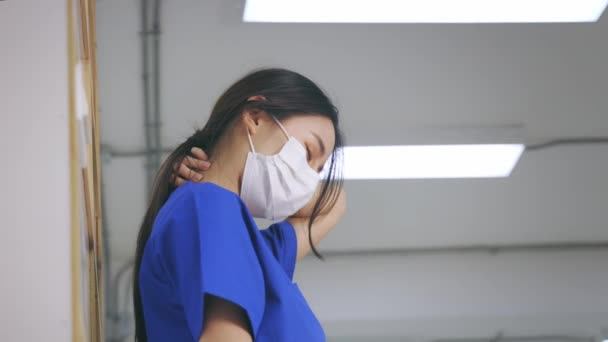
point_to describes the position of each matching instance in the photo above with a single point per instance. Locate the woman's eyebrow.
(320, 141)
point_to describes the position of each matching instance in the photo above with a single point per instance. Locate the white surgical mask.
(279, 185)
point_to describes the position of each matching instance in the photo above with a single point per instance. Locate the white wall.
(473, 294)
(35, 273)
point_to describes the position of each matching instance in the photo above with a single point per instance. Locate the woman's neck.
(227, 163)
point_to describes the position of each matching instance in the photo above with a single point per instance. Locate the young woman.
(204, 271)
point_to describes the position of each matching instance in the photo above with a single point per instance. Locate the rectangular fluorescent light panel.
(430, 161)
(423, 11)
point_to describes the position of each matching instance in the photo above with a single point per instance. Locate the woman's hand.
(306, 211)
(192, 168)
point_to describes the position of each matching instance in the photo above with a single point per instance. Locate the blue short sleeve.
(281, 239)
(205, 247)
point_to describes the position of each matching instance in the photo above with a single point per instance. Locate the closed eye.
(309, 158)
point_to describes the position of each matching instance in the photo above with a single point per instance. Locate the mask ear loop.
(250, 141)
(281, 126)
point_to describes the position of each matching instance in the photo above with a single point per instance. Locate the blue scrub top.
(205, 241)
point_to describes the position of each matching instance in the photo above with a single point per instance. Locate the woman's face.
(314, 132)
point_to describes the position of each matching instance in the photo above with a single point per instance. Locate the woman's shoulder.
(207, 193)
(197, 203)
(202, 217)
(204, 188)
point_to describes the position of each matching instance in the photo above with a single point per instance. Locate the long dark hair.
(282, 93)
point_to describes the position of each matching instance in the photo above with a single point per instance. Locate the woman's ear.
(251, 120)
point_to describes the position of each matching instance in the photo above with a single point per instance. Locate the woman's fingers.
(179, 181)
(191, 168)
(187, 173)
(197, 164)
(199, 153)
(175, 179)
(201, 156)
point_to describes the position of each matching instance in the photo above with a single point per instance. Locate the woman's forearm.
(320, 227)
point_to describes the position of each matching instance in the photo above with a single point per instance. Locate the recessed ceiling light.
(423, 11)
(430, 161)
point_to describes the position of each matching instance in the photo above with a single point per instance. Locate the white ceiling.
(549, 77)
